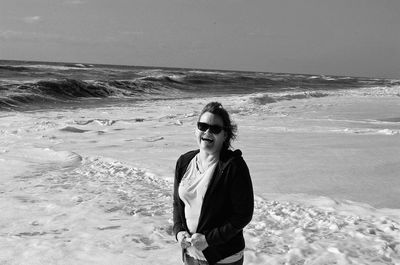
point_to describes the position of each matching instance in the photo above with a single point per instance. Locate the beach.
(91, 183)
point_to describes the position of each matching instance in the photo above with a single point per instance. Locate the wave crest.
(267, 98)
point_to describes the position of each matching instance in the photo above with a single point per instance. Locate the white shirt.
(192, 190)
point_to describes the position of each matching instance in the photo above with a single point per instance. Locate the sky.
(334, 37)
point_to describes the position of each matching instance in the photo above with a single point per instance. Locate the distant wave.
(376, 91)
(27, 85)
(165, 77)
(18, 94)
(27, 67)
(313, 94)
(13, 68)
(47, 91)
(267, 98)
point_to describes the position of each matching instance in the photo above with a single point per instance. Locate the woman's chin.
(206, 148)
(209, 148)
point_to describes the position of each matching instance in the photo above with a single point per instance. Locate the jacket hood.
(229, 154)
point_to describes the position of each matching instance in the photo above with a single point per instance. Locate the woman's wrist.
(181, 235)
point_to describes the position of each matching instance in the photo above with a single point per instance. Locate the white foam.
(109, 207)
(56, 67)
(106, 210)
(367, 131)
(269, 98)
(383, 91)
(18, 160)
(209, 72)
(290, 232)
(161, 76)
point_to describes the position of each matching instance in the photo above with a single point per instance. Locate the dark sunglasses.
(214, 129)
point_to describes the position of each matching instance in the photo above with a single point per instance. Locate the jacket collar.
(225, 158)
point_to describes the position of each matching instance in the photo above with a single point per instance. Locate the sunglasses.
(214, 129)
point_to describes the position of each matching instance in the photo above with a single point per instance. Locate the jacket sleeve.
(242, 199)
(177, 211)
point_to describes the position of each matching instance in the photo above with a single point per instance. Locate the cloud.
(32, 19)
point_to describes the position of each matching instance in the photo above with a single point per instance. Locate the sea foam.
(118, 195)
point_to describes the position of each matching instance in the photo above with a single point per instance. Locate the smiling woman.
(209, 133)
(213, 194)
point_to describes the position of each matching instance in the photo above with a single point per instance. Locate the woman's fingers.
(199, 241)
(183, 239)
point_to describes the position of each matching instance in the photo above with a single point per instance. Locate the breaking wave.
(267, 98)
(27, 85)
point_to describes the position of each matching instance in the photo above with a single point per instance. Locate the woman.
(213, 194)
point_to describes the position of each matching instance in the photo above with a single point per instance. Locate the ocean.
(87, 157)
(35, 85)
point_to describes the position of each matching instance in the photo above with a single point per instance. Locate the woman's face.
(206, 140)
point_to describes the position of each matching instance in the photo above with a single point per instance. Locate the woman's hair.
(229, 127)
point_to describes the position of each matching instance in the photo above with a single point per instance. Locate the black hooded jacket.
(227, 206)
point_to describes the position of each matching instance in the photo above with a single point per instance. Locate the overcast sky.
(343, 37)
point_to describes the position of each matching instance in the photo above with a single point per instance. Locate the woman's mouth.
(208, 140)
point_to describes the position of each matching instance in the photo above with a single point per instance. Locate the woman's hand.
(199, 241)
(183, 237)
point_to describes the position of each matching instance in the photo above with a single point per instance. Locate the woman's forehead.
(211, 118)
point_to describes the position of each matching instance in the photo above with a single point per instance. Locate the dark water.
(34, 85)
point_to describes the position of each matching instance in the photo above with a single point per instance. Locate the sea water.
(88, 152)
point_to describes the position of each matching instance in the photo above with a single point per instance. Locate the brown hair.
(229, 127)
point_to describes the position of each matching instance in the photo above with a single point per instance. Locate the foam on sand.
(16, 161)
(292, 233)
(96, 213)
(104, 210)
(103, 195)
